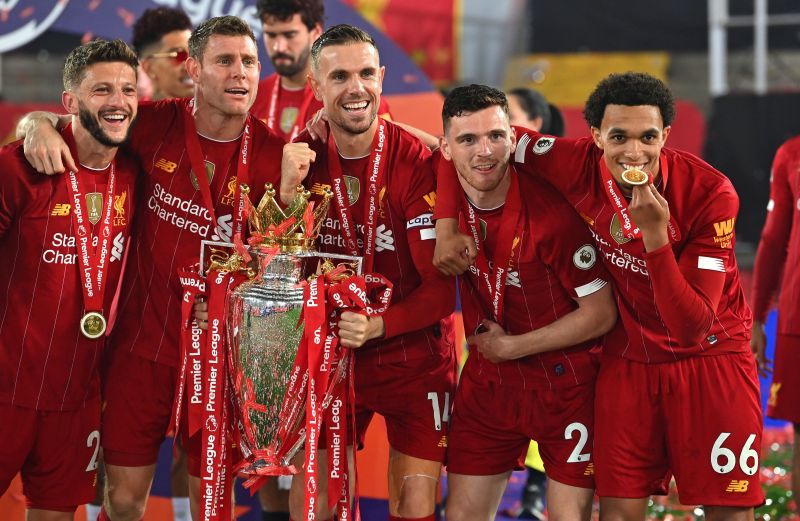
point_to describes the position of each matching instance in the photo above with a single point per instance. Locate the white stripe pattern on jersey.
(522, 145)
(711, 264)
(591, 287)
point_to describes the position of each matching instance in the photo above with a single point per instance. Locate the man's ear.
(597, 137)
(445, 148)
(70, 102)
(315, 87)
(193, 68)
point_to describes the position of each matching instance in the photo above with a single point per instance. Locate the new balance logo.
(443, 442)
(738, 485)
(319, 189)
(61, 209)
(589, 470)
(167, 166)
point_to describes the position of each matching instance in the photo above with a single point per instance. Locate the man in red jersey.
(211, 133)
(62, 242)
(161, 39)
(539, 295)
(681, 365)
(285, 101)
(779, 248)
(384, 194)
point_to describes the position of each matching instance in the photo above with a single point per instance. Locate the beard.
(293, 67)
(91, 123)
(356, 128)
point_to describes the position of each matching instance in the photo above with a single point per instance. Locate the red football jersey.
(553, 262)
(703, 205)
(780, 243)
(295, 107)
(172, 220)
(404, 243)
(45, 362)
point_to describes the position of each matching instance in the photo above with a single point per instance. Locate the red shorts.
(56, 453)
(137, 412)
(784, 393)
(698, 418)
(414, 397)
(493, 425)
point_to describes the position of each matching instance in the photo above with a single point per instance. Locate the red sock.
(431, 517)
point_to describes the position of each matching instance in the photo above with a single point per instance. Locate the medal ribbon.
(92, 261)
(198, 165)
(494, 280)
(215, 503)
(308, 95)
(375, 176)
(192, 341)
(620, 205)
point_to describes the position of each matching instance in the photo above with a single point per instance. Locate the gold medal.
(635, 177)
(93, 325)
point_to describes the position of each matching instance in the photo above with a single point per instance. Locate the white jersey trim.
(522, 144)
(592, 287)
(711, 264)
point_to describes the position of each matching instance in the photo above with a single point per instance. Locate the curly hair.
(312, 12)
(223, 25)
(630, 89)
(155, 23)
(96, 51)
(342, 34)
(471, 98)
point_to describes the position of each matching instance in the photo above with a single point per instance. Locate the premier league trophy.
(265, 327)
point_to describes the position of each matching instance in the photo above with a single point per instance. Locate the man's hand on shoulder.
(44, 147)
(295, 165)
(455, 251)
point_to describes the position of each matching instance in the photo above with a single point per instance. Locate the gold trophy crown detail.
(292, 230)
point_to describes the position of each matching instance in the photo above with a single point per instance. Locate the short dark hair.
(342, 34)
(223, 25)
(471, 98)
(631, 89)
(312, 12)
(155, 23)
(534, 104)
(96, 51)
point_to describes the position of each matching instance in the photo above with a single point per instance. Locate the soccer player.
(539, 294)
(382, 179)
(779, 248)
(161, 39)
(62, 244)
(681, 366)
(211, 133)
(285, 101)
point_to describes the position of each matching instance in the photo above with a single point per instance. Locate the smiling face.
(288, 43)
(168, 75)
(348, 80)
(631, 137)
(105, 101)
(227, 78)
(480, 144)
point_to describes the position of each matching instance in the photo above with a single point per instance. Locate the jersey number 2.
(93, 439)
(583, 432)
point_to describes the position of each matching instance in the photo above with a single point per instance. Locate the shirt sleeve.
(774, 243)
(687, 288)
(11, 191)
(436, 292)
(566, 246)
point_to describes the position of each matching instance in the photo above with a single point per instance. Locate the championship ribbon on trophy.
(270, 374)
